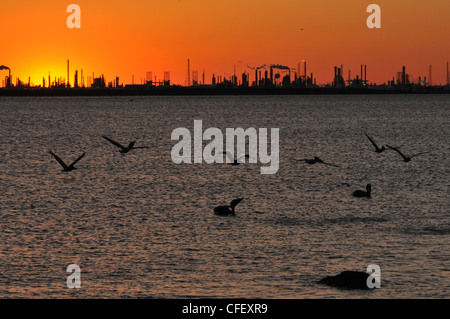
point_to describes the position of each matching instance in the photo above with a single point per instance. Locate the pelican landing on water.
(123, 149)
(66, 168)
(227, 209)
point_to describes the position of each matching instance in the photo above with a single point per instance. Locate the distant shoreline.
(200, 90)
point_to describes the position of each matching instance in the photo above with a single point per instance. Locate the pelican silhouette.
(377, 149)
(316, 160)
(360, 193)
(227, 209)
(405, 158)
(236, 161)
(66, 168)
(123, 149)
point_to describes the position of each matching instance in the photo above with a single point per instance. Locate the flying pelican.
(64, 166)
(316, 160)
(227, 209)
(123, 149)
(235, 161)
(360, 193)
(405, 158)
(377, 149)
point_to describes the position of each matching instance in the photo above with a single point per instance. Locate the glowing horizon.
(123, 39)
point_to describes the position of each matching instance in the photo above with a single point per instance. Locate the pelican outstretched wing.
(240, 158)
(114, 142)
(231, 158)
(80, 157)
(329, 164)
(419, 154)
(373, 142)
(398, 151)
(60, 161)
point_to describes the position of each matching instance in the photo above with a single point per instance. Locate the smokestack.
(362, 75)
(365, 74)
(189, 73)
(256, 77)
(8, 80)
(68, 83)
(404, 75)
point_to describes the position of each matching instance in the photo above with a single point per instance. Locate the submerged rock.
(347, 279)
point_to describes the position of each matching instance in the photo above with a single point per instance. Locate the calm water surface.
(141, 226)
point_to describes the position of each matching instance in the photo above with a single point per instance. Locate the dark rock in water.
(347, 279)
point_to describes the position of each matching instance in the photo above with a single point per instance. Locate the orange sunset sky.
(126, 38)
